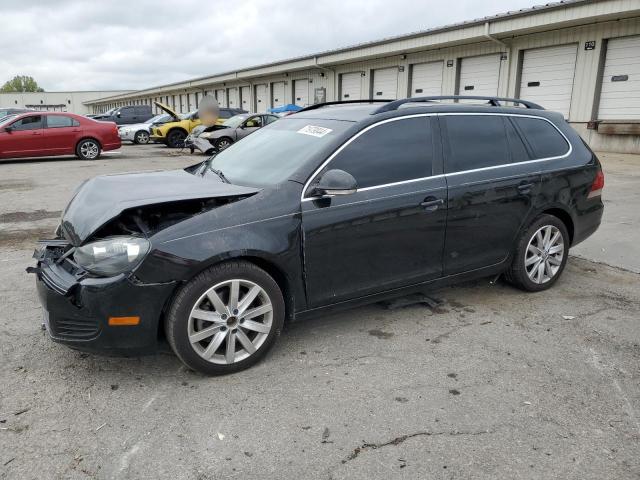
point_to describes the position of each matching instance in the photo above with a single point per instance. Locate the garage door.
(385, 83)
(351, 86)
(620, 94)
(232, 96)
(221, 97)
(262, 98)
(426, 79)
(245, 98)
(547, 77)
(277, 94)
(301, 92)
(480, 75)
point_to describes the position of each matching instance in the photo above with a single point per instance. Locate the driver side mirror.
(335, 182)
(8, 129)
(118, 114)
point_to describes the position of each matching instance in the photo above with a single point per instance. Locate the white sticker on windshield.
(314, 131)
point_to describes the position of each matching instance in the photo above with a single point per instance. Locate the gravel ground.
(493, 383)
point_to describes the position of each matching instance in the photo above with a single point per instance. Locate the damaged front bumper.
(77, 307)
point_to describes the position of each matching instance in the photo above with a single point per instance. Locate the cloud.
(118, 44)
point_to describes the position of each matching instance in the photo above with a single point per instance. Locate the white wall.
(55, 101)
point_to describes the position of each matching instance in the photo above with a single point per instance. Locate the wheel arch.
(276, 271)
(564, 216)
(88, 137)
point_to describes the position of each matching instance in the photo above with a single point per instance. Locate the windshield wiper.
(220, 174)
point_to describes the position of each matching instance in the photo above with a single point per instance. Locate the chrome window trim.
(441, 114)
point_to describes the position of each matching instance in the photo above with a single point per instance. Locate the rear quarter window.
(544, 140)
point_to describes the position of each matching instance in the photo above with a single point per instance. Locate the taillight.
(597, 185)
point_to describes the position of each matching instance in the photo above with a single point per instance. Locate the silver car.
(236, 128)
(140, 132)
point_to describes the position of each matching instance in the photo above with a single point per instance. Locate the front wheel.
(88, 149)
(176, 138)
(541, 255)
(223, 143)
(226, 318)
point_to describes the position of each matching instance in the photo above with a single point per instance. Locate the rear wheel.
(226, 318)
(175, 138)
(141, 137)
(88, 149)
(541, 255)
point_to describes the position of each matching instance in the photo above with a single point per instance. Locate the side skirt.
(399, 292)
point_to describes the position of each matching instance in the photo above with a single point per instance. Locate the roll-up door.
(351, 86)
(301, 92)
(547, 77)
(479, 75)
(385, 83)
(426, 79)
(232, 96)
(262, 98)
(245, 98)
(620, 94)
(277, 94)
(221, 97)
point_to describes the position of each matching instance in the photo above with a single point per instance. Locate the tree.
(21, 83)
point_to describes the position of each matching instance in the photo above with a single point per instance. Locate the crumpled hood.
(103, 198)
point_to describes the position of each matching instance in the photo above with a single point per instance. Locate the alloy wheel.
(89, 150)
(230, 321)
(544, 254)
(142, 137)
(223, 144)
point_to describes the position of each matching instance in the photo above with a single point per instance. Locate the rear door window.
(33, 122)
(59, 121)
(545, 141)
(388, 153)
(475, 141)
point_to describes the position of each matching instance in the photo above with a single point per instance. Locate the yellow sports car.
(174, 132)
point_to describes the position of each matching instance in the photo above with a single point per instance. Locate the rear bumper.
(113, 145)
(588, 222)
(77, 312)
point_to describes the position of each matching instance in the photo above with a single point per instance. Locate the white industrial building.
(581, 58)
(74, 102)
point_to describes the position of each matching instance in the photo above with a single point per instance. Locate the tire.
(535, 269)
(88, 149)
(193, 312)
(175, 138)
(223, 143)
(141, 137)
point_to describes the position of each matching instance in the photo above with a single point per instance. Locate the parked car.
(140, 133)
(173, 134)
(5, 112)
(335, 206)
(126, 115)
(236, 128)
(46, 134)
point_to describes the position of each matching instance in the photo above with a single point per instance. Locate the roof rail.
(341, 102)
(493, 101)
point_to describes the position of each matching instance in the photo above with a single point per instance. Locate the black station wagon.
(338, 205)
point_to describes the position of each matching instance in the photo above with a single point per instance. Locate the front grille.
(73, 328)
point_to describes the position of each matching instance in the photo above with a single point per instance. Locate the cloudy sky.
(122, 44)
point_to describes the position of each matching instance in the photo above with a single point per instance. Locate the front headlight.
(113, 255)
(206, 135)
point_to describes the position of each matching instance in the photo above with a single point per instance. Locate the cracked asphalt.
(489, 382)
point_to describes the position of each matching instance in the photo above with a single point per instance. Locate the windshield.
(159, 118)
(235, 121)
(4, 119)
(271, 154)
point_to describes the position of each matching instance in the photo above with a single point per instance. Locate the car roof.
(366, 112)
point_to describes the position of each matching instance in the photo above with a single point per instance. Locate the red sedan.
(45, 134)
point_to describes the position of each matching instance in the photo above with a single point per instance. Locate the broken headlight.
(112, 256)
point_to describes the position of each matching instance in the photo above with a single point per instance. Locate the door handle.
(431, 204)
(525, 187)
(35, 133)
